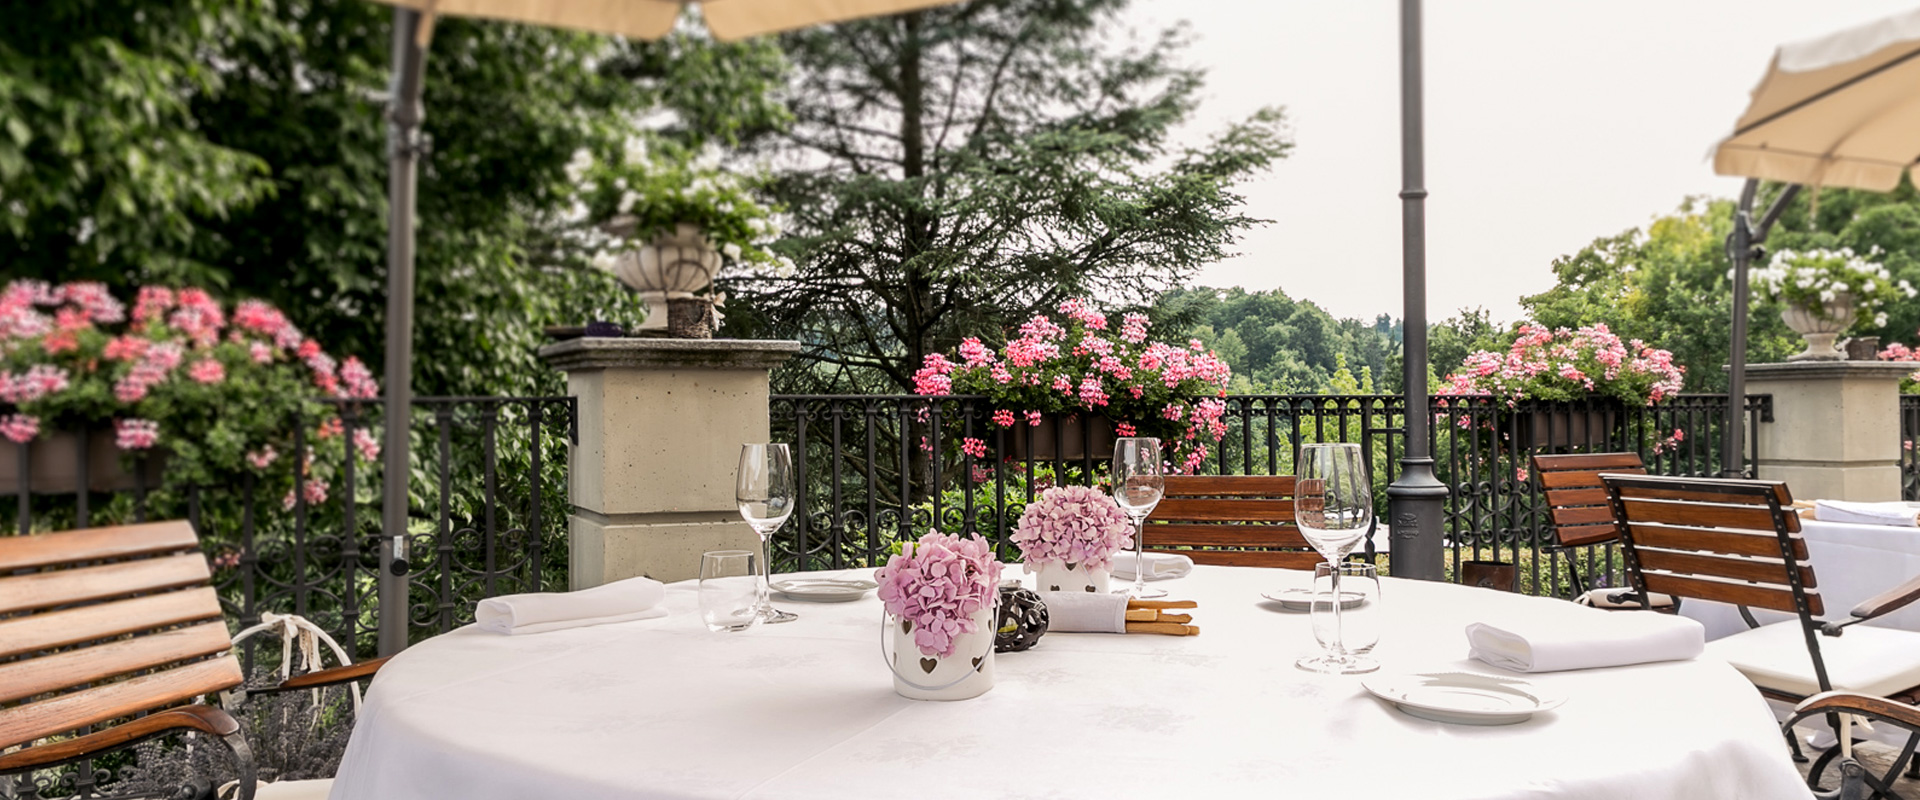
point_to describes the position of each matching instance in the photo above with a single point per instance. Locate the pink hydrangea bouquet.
(1567, 364)
(1085, 364)
(217, 390)
(1073, 525)
(938, 583)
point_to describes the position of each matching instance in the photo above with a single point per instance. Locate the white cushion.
(293, 790)
(1864, 659)
(1598, 599)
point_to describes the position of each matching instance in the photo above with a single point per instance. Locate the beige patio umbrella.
(1838, 110)
(412, 30)
(652, 19)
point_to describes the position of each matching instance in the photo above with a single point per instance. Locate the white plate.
(824, 590)
(1465, 698)
(1302, 599)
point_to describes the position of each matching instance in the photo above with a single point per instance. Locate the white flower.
(604, 261)
(785, 268)
(1826, 295)
(634, 151)
(1880, 320)
(577, 166)
(732, 250)
(626, 202)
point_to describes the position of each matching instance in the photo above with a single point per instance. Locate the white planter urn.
(670, 267)
(1820, 327)
(1056, 576)
(968, 672)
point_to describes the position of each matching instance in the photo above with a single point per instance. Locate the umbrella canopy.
(652, 19)
(1839, 110)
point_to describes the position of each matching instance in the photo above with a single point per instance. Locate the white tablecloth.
(1850, 563)
(665, 709)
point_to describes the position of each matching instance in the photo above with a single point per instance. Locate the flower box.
(1070, 437)
(1562, 425)
(55, 465)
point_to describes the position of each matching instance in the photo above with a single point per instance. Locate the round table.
(664, 709)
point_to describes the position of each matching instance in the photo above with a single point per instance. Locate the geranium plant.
(1567, 364)
(1085, 365)
(1073, 525)
(938, 583)
(216, 392)
(643, 196)
(1812, 279)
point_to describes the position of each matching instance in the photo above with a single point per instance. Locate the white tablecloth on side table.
(665, 709)
(1850, 563)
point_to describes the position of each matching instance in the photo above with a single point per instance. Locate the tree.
(952, 170)
(240, 145)
(1277, 345)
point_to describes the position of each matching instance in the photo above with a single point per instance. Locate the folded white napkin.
(1083, 612)
(1866, 513)
(1160, 566)
(620, 601)
(1607, 639)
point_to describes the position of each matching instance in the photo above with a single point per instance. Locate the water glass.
(729, 590)
(1356, 629)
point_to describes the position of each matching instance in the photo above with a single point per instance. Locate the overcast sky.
(1549, 123)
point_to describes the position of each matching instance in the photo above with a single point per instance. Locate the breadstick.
(1162, 604)
(1168, 628)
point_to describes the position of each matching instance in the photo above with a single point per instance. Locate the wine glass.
(1138, 483)
(764, 490)
(1333, 504)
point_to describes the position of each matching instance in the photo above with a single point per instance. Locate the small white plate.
(1463, 698)
(1302, 599)
(824, 590)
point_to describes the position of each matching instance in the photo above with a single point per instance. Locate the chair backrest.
(1730, 541)
(1231, 520)
(1581, 515)
(103, 623)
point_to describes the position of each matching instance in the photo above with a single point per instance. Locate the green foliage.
(1278, 345)
(645, 195)
(959, 167)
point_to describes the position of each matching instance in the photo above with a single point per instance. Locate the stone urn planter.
(667, 271)
(54, 465)
(1820, 327)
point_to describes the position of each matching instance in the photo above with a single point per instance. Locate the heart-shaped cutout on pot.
(927, 665)
(1054, 588)
(1071, 565)
(906, 626)
(977, 660)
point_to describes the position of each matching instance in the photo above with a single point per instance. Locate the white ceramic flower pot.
(677, 263)
(966, 673)
(1820, 327)
(1054, 576)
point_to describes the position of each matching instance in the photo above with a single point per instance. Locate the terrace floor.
(1876, 757)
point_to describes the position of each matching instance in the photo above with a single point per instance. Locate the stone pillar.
(1836, 428)
(661, 424)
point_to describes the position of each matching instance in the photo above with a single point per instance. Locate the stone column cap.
(1829, 370)
(594, 353)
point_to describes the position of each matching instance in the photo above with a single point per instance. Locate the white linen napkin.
(1607, 639)
(620, 601)
(1160, 566)
(1084, 612)
(1866, 513)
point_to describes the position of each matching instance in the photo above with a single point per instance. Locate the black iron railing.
(488, 514)
(1909, 431)
(877, 469)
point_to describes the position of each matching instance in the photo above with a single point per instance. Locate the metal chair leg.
(242, 764)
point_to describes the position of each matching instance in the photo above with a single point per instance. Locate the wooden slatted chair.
(116, 629)
(1582, 519)
(1231, 520)
(1738, 542)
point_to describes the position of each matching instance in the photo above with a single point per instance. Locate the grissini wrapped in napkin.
(1550, 644)
(1081, 612)
(1866, 513)
(538, 612)
(1160, 566)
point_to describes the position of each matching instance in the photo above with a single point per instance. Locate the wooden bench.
(1230, 520)
(117, 630)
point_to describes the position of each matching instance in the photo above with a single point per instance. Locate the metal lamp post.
(1416, 501)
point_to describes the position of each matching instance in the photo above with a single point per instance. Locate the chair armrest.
(326, 677)
(1890, 600)
(203, 718)
(1838, 702)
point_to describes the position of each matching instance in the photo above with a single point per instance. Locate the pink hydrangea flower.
(936, 585)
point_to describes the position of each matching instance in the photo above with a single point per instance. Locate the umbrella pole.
(1743, 246)
(404, 145)
(1415, 501)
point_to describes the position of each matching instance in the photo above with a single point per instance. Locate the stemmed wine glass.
(1138, 483)
(764, 490)
(1333, 504)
